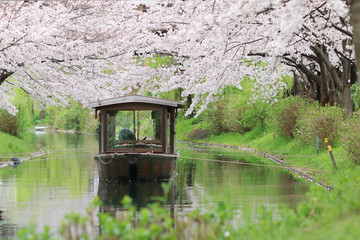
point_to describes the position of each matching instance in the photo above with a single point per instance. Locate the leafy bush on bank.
(18, 124)
(326, 121)
(351, 140)
(9, 123)
(14, 125)
(284, 115)
(235, 114)
(291, 117)
(300, 118)
(216, 117)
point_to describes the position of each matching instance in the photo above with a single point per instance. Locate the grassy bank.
(13, 145)
(293, 152)
(326, 214)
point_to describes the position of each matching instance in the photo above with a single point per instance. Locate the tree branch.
(4, 74)
(20, 87)
(341, 54)
(311, 76)
(311, 57)
(342, 30)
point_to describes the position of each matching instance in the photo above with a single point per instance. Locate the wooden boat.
(137, 138)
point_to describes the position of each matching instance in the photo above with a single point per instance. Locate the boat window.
(134, 130)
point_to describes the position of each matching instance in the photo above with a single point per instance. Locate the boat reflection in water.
(142, 194)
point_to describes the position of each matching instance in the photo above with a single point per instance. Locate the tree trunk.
(188, 104)
(309, 85)
(323, 82)
(298, 88)
(42, 114)
(345, 100)
(355, 22)
(4, 75)
(339, 80)
(310, 91)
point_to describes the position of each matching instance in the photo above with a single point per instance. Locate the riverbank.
(325, 214)
(11, 146)
(290, 152)
(14, 145)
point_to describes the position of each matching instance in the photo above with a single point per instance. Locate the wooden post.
(331, 155)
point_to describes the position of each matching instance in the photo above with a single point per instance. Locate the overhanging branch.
(311, 76)
(342, 30)
(4, 74)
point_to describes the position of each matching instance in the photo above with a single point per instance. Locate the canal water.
(42, 190)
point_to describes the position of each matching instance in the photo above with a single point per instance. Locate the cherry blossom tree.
(312, 38)
(82, 49)
(95, 49)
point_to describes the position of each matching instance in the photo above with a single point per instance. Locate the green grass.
(10, 144)
(186, 126)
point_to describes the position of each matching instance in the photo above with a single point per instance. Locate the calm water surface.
(44, 189)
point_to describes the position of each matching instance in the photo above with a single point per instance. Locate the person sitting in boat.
(126, 134)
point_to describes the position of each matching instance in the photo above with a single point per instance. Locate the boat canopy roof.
(135, 99)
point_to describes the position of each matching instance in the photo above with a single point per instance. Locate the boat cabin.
(136, 124)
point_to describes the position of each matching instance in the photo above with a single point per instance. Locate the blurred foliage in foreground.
(325, 215)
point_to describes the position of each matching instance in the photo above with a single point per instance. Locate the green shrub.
(8, 123)
(284, 114)
(326, 121)
(351, 140)
(71, 117)
(14, 125)
(234, 114)
(355, 95)
(215, 117)
(254, 115)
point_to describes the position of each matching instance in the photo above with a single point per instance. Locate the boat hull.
(136, 166)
